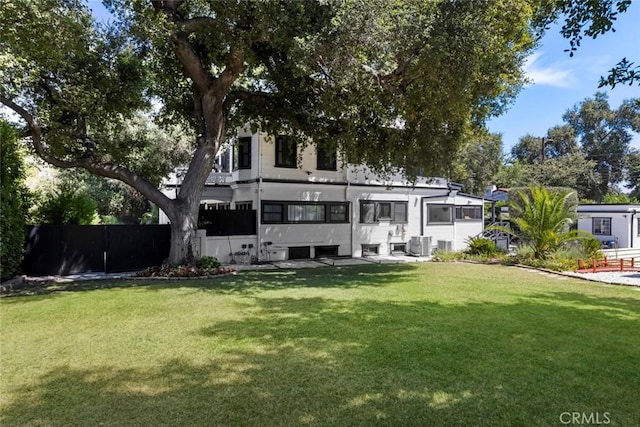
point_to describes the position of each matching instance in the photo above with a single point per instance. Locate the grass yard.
(410, 344)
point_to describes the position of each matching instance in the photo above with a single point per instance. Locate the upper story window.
(439, 214)
(375, 211)
(286, 152)
(242, 158)
(469, 213)
(601, 226)
(326, 160)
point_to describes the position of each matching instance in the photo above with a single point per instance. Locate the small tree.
(13, 202)
(543, 219)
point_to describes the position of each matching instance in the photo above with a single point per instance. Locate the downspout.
(351, 209)
(633, 216)
(259, 207)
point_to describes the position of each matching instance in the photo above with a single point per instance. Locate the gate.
(73, 249)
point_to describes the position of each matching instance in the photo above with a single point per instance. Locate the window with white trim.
(286, 152)
(326, 160)
(372, 212)
(439, 214)
(242, 154)
(601, 226)
(469, 213)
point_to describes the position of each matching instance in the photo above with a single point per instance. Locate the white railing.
(619, 253)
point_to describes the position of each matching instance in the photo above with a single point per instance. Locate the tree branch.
(234, 66)
(106, 170)
(191, 62)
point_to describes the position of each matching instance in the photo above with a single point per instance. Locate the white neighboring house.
(614, 225)
(318, 207)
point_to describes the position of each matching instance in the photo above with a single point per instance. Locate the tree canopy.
(370, 79)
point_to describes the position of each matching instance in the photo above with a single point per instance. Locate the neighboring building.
(614, 225)
(318, 207)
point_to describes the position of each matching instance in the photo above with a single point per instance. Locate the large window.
(301, 212)
(306, 213)
(469, 213)
(602, 226)
(326, 160)
(286, 152)
(375, 211)
(242, 158)
(439, 214)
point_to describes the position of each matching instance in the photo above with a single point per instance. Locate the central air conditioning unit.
(445, 246)
(420, 245)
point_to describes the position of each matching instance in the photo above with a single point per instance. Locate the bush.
(67, 205)
(481, 246)
(14, 198)
(208, 262)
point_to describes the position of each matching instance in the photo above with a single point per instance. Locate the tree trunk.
(184, 225)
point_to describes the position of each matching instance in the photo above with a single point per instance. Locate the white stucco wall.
(624, 222)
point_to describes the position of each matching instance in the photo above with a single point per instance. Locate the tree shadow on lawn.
(242, 282)
(315, 361)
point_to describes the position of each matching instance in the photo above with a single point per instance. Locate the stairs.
(501, 238)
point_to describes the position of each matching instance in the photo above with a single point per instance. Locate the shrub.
(13, 203)
(67, 205)
(481, 246)
(208, 262)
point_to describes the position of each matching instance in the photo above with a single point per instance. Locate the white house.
(289, 205)
(614, 225)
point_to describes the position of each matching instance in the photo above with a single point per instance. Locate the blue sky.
(560, 82)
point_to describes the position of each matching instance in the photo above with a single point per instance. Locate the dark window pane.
(326, 160)
(286, 152)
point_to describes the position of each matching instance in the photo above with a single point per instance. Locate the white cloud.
(551, 76)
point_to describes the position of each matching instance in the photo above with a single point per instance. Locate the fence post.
(594, 266)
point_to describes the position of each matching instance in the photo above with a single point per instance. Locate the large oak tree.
(388, 84)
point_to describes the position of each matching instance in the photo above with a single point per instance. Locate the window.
(242, 158)
(368, 249)
(244, 206)
(373, 211)
(326, 160)
(638, 227)
(306, 213)
(301, 212)
(272, 212)
(216, 206)
(602, 226)
(338, 213)
(367, 212)
(286, 152)
(439, 214)
(469, 213)
(400, 212)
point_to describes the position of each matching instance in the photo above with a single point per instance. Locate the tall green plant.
(542, 219)
(13, 202)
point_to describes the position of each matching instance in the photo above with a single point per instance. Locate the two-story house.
(309, 204)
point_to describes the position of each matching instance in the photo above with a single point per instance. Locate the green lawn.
(411, 344)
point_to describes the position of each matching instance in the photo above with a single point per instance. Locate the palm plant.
(542, 219)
